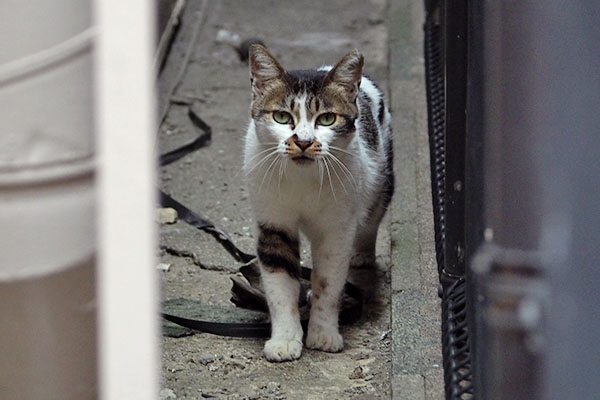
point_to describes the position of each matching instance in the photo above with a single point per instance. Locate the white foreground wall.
(127, 289)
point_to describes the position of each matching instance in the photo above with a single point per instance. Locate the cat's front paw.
(283, 349)
(324, 338)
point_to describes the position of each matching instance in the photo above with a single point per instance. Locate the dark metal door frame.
(513, 91)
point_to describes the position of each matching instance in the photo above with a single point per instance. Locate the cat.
(318, 157)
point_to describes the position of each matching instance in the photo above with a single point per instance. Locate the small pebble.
(237, 364)
(166, 215)
(206, 359)
(163, 267)
(358, 373)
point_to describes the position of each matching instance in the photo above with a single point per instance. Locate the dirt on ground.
(302, 34)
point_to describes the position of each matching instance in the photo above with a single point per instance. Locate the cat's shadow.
(371, 281)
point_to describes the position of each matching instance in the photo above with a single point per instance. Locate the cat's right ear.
(265, 71)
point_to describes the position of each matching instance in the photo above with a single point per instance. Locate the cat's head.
(304, 113)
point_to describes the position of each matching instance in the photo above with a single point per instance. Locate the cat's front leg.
(279, 259)
(331, 258)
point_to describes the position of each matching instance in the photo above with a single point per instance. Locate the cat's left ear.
(347, 73)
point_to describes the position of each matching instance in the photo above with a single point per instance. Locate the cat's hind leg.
(363, 253)
(279, 259)
(363, 256)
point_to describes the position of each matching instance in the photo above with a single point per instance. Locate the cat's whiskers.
(262, 152)
(273, 171)
(320, 178)
(344, 169)
(342, 150)
(267, 172)
(281, 163)
(262, 161)
(339, 179)
(241, 169)
(330, 182)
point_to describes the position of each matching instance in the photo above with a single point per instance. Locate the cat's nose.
(303, 144)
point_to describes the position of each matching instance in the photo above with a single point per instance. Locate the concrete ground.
(393, 351)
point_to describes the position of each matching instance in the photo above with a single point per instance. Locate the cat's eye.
(326, 119)
(282, 117)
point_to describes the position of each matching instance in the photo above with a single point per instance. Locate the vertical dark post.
(455, 51)
(474, 184)
(455, 333)
(446, 65)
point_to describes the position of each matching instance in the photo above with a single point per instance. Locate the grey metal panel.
(566, 127)
(542, 127)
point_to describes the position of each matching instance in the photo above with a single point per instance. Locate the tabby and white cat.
(318, 158)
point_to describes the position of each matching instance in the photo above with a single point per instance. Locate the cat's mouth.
(303, 160)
